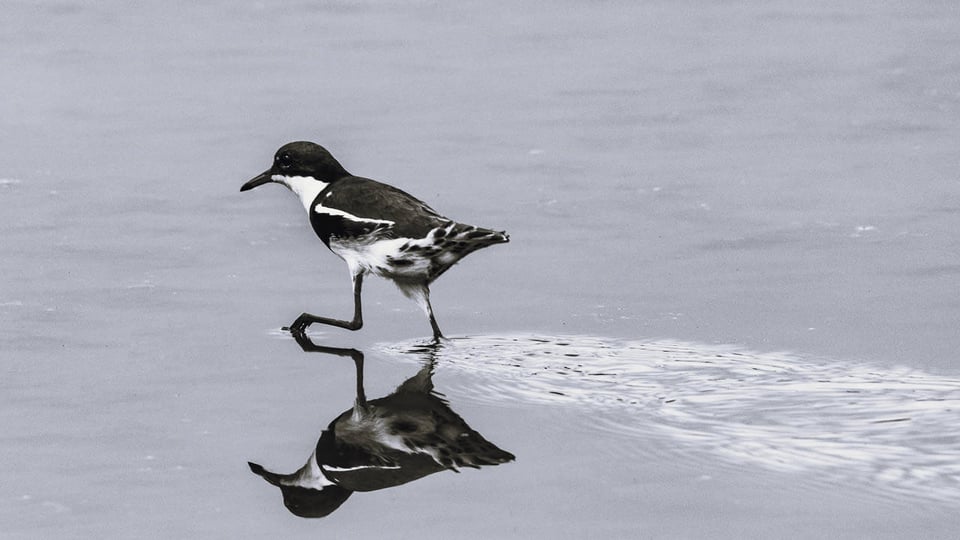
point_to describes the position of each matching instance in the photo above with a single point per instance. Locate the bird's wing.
(365, 198)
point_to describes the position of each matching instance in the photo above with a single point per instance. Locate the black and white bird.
(374, 227)
(382, 443)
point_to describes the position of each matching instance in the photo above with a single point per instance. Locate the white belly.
(373, 256)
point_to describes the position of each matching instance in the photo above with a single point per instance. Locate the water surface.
(690, 189)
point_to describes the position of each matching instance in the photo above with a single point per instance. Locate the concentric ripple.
(895, 428)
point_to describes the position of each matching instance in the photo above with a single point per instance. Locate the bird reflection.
(382, 443)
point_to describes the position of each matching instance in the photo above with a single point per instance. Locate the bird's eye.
(283, 160)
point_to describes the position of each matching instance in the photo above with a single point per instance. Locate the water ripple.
(898, 428)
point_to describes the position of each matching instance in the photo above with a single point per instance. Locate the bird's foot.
(299, 326)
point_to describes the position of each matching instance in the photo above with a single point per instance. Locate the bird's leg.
(437, 336)
(300, 325)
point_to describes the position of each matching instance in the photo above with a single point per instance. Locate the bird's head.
(303, 497)
(301, 160)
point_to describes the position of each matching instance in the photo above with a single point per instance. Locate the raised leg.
(300, 325)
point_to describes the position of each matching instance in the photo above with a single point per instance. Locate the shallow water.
(690, 189)
(891, 428)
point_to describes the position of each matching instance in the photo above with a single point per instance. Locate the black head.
(300, 158)
(305, 501)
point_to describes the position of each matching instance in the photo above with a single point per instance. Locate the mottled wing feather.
(454, 241)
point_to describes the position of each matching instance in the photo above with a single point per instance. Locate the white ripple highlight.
(898, 428)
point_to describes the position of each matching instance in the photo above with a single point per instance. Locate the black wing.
(365, 198)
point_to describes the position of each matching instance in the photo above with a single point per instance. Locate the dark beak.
(272, 477)
(258, 180)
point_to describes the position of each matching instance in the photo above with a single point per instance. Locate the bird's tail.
(466, 448)
(467, 238)
(453, 241)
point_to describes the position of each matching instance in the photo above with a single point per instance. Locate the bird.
(382, 443)
(374, 227)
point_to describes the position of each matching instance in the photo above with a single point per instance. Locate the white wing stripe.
(320, 209)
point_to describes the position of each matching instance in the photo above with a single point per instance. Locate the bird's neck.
(306, 188)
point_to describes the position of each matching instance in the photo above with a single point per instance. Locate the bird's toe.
(300, 325)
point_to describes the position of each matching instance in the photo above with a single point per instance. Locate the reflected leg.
(309, 346)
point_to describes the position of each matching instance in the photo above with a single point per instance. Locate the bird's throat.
(306, 187)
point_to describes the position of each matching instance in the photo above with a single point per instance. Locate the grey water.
(728, 308)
